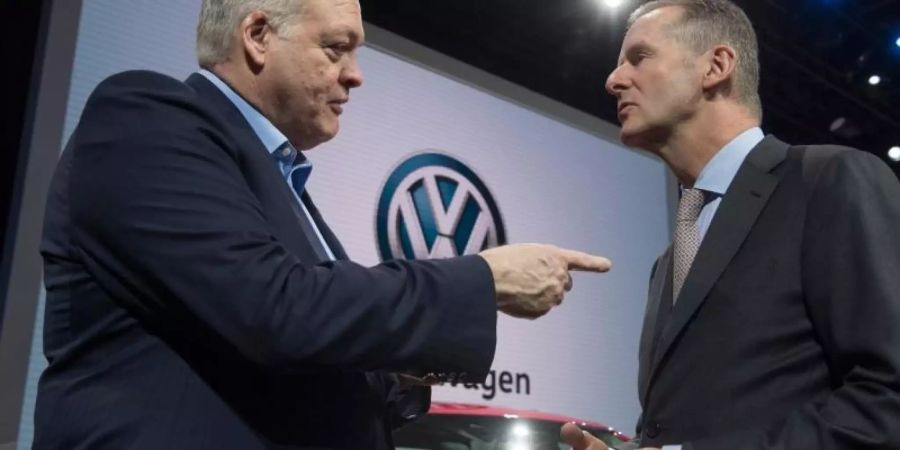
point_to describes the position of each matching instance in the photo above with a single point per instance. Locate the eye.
(635, 58)
(336, 51)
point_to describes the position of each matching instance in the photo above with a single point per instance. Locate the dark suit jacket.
(186, 306)
(786, 334)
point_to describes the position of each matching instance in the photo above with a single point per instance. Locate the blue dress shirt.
(718, 173)
(293, 165)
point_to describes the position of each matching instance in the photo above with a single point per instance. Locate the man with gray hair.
(196, 299)
(773, 321)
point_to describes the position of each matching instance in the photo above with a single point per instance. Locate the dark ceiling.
(816, 56)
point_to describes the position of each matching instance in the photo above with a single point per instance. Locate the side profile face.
(310, 68)
(658, 83)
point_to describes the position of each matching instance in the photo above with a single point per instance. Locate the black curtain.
(20, 40)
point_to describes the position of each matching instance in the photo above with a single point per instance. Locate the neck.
(694, 143)
(247, 85)
(242, 83)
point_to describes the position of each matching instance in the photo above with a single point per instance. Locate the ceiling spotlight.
(894, 154)
(897, 42)
(874, 80)
(844, 128)
(837, 124)
(613, 3)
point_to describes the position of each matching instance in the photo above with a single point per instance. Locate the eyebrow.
(355, 38)
(636, 47)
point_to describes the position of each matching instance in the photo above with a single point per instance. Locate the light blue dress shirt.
(718, 173)
(294, 166)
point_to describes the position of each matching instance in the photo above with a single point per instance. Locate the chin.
(328, 135)
(320, 136)
(635, 139)
(329, 128)
(629, 136)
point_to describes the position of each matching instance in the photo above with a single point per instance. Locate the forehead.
(653, 27)
(334, 15)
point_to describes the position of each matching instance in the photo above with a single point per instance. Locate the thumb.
(580, 440)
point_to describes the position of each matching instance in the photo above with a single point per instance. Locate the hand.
(530, 279)
(412, 380)
(580, 440)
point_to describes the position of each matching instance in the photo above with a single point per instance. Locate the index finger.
(576, 260)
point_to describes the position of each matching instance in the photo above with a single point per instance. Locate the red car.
(458, 426)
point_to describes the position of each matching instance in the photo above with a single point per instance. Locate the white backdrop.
(551, 181)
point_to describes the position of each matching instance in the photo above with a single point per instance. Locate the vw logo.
(433, 206)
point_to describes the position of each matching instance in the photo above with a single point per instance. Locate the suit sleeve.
(851, 280)
(166, 223)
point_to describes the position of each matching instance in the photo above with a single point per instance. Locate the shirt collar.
(718, 173)
(272, 139)
(293, 164)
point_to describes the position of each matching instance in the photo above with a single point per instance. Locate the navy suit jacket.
(187, 309)
(786, 334)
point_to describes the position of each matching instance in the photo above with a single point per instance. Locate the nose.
(351, 75)
(615, 82)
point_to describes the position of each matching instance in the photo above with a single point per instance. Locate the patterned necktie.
(687, 236)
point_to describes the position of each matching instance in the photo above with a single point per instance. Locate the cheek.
(318, 90)
(663, 92)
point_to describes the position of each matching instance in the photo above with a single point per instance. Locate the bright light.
(874, 80)
(894, 154)
(612, 3)
(837, 124)
(897, 42)
(519, 447)
(520, 431)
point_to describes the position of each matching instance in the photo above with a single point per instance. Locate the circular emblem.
(433, 206)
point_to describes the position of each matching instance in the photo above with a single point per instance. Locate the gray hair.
(220, 18)
(707, 23)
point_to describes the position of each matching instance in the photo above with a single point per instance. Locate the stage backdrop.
(430, 164)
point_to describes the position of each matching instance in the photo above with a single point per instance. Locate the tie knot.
(690, 204)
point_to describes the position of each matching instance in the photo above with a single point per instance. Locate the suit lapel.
(745, 199)
(659, 294)
(275, 196)
(330, 239)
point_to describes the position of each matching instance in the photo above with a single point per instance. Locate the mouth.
(337, 106)
(624, 108)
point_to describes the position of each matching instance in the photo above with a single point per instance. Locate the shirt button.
(286, 152)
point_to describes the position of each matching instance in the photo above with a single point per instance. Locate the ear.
(256, 34)
(722, 64)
